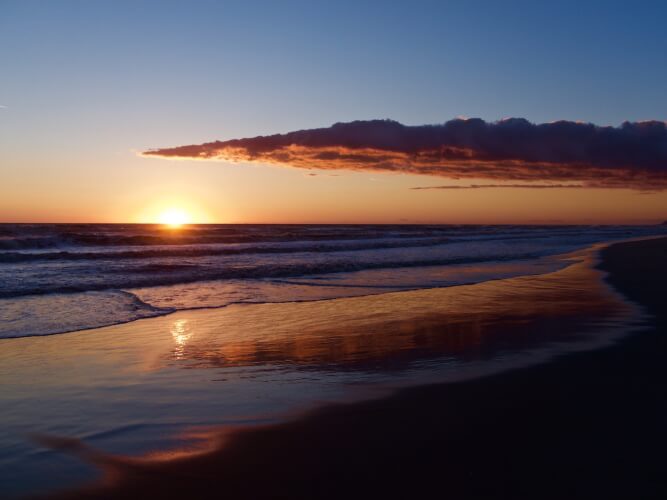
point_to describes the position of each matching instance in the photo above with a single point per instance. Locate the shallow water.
(143, 386)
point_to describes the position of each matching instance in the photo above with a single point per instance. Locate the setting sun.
(174, 218)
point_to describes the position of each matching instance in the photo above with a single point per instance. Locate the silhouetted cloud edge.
(514, 151)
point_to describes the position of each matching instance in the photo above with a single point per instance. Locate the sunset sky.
(87, 86)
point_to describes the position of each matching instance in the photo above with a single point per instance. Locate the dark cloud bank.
(514, 151)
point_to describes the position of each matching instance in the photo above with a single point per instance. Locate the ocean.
(58, 278)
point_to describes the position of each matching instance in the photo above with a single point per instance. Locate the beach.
(541, 399)
(333, 250)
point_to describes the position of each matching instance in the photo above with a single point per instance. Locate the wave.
(25, 317)
(171, 274)
(54, 236)
(159, 247)
(203, 251)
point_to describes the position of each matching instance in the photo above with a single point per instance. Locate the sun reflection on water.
(181, 331)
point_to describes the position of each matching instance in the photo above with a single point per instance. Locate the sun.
(174, 218)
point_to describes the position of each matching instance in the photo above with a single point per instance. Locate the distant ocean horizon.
(57, 278)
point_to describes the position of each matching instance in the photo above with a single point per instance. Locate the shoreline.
(162, 311)
(584, 425)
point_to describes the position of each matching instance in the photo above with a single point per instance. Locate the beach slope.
(586, 425)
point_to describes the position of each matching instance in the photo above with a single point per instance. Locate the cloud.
(513, 151)
(482, 186)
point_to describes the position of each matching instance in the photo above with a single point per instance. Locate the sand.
(585, 425)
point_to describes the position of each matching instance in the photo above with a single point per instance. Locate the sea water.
(57, 278)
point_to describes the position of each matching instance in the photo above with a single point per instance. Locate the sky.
(86, 86)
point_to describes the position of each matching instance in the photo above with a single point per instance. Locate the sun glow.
(172, 212)
(174, 218)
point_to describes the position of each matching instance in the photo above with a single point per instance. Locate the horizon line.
(398, 223)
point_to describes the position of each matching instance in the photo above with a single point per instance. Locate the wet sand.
(585, 425)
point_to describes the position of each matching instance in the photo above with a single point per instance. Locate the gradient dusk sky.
(87, 85)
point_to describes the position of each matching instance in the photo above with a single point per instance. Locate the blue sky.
(89, 81)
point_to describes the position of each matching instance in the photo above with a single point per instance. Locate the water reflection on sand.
(390, 331)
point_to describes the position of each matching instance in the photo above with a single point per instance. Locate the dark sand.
(586, 425)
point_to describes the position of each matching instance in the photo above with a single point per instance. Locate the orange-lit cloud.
(512, 151)
(520, 186)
